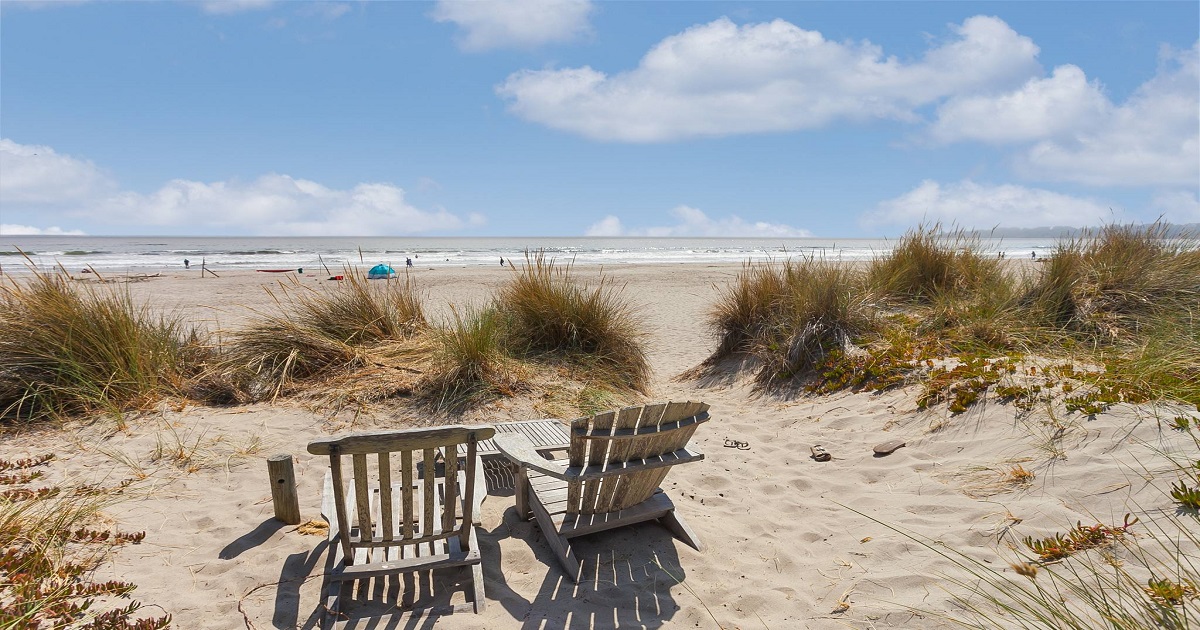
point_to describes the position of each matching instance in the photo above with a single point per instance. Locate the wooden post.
(283, 489)
(204, 268)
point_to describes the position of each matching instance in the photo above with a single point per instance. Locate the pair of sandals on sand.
(881, 450)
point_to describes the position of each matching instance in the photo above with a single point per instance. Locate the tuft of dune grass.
(1118, 283)
(319, 333)
(927, 264)
(790, 316)
(549, 314)
(469, 361)
(66, 349)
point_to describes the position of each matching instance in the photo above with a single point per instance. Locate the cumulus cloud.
(721, 78)
(515, 23)
(1151, 139)
(41, 184)
(39, 174)
(1073, 132)
(973, 205)
(1042, 108)
(12, 229)
(282, 205)
(693, 222)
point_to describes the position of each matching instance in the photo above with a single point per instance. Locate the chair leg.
(521, 493)
(565, 555)
(477, 582)
(680, 529)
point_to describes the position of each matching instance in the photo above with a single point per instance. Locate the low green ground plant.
(50, 547)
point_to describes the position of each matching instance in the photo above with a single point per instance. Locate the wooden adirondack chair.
(616, 461)
(383, 523)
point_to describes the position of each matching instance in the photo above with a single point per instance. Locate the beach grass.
(66, 349)
(469, 362)
(928, 264)
(789, 316)
(548, 314)
(1125, 298)
(317, 333)
(370, 331)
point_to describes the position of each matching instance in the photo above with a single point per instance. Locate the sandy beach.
(790, 542)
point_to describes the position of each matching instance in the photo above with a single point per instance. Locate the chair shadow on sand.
(625, 578)
(625, 581)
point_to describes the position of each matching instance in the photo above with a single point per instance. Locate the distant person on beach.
(408, 262)
(187, 264)
(501, 261)
(1033, 254)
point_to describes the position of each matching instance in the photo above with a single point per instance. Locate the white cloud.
(721, 78)
(12, 229)
(514, 23)
(1073, 132)
(972, 205)
(281, 205)
(38, 174)
(1151, 139)
(41, 185)
(229, 7)
(1042, 108)
(693, 222)
(608, 226)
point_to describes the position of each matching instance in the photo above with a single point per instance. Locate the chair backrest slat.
(450, 488)
(575, 457)
(464, 537)
(406, 495)
(385, 497)
(430, 464)
(362, 495)
(339, 501)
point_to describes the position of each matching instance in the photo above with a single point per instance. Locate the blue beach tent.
(381, 272)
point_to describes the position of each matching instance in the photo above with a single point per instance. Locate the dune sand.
(791, 542)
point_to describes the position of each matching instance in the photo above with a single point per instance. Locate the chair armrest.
(521, 451)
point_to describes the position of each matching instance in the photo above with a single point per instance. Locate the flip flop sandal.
(820, 454)
(738, 444)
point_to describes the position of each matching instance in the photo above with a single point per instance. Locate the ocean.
(155, 254)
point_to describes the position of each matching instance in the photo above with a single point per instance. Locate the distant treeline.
(1062, 231)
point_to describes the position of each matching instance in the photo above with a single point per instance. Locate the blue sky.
(573, 118)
